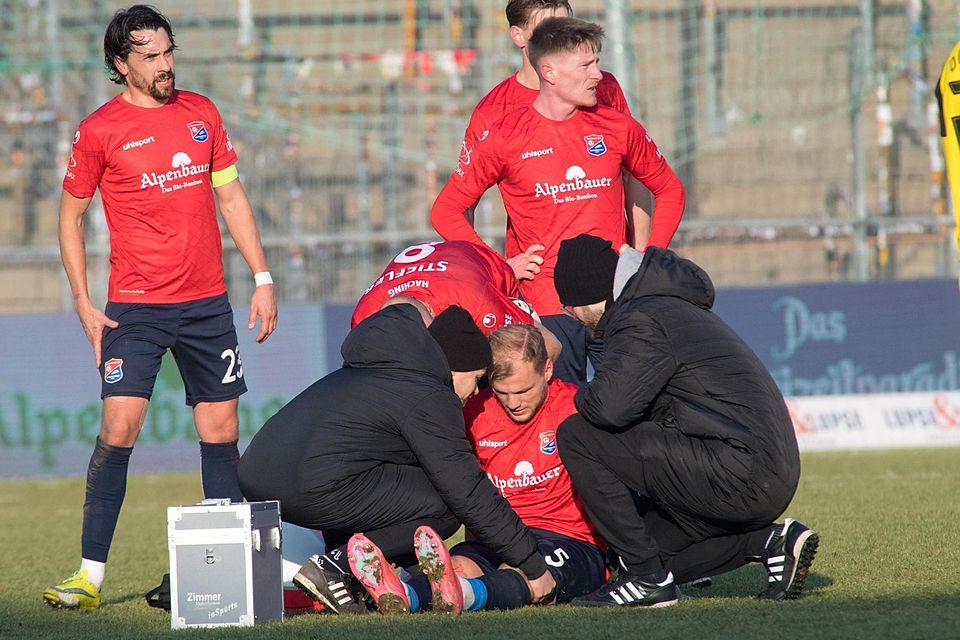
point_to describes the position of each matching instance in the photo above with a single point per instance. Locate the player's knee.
(466, 567)
(122, 420)
(217, 422)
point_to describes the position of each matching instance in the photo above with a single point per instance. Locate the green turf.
(888, 567)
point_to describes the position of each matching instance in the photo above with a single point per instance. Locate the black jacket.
(668, 359)
(391, 402)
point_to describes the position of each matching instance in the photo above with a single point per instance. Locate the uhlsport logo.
(136, 144)
(536, 153)
(198, 131)
(595, 145)
(548, 442)
(113, 370)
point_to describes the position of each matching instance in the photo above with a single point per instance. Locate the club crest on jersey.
(198, 130)
(489, 320)
(113, 370)
(595, 145)
(548, 442)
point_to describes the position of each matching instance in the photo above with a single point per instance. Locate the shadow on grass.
(720, 618)
(130, 597)
(751, 581)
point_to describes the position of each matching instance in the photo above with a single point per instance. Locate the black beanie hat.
(585, 269)
(462, 342)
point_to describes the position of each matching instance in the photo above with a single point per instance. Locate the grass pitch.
(888, 567)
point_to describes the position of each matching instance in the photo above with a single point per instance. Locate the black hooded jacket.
(668, 359)
(391, 402)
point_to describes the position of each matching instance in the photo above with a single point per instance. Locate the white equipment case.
(225, 564)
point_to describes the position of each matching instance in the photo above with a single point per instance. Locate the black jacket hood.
(395, 338)
(664, 273)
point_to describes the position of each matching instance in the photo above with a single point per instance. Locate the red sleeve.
(477, 127)
(86, 164)
(477, 170)
(447, 217)
(223, 152)
(500, 311)
(648, 165)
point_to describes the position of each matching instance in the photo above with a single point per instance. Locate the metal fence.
(804, 131)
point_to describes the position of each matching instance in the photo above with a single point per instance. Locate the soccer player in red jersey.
(440, 274)
(158, 155)
(558, 165)
(513, 427)
(521, 89)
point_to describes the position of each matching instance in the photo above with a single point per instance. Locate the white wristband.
(262, 278)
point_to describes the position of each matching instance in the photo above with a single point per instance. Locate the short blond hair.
(514, 342)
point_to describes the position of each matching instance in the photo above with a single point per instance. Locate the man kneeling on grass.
(379, 446)
(512, 427)
(685, 417)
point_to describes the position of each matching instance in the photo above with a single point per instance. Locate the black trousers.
(386, 503)
(665, 501)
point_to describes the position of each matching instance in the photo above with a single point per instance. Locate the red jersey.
(559, 179)
(510, 95)
(522, 462)
(441, 274)
(153, 169)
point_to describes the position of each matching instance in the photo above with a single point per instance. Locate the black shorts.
(200, 335)
(578, 567)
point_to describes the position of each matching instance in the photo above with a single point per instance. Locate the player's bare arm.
(238, 215)
(74, 257)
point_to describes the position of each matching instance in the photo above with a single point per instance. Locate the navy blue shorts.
(578, 567)
(579, 349)
(200, 335)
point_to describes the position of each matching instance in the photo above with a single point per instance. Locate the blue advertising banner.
(852, 338)
(50, 391)
(816, 340)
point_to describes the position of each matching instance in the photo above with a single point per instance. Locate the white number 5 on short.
(557, 558)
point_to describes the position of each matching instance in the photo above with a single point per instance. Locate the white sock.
(467, 589)
(95, 571)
